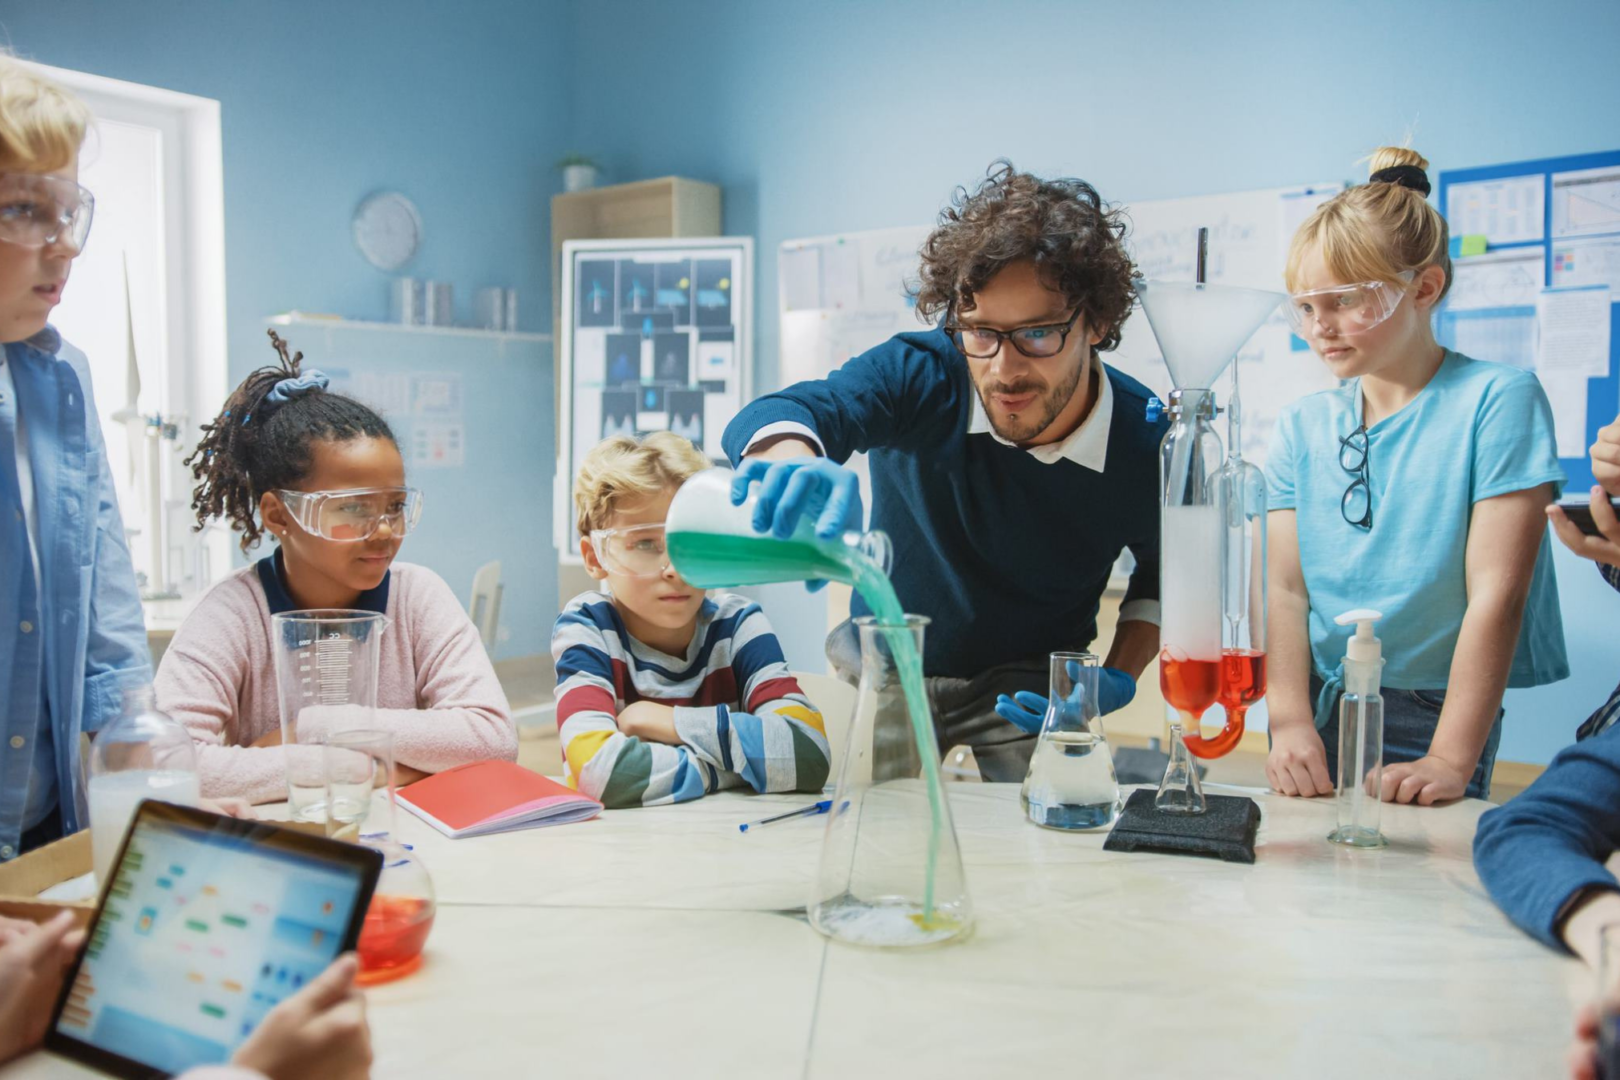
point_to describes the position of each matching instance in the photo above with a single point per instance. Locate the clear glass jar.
(144, 754)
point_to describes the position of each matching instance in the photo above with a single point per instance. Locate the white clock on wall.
(387, 229)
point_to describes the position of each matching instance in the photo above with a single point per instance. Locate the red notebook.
(493, 796)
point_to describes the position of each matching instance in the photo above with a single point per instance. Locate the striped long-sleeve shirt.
(740, 715)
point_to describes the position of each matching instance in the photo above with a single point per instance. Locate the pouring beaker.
(326, 681)
(713, 545)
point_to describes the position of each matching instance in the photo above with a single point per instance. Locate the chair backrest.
(836, 700)
(485, 606)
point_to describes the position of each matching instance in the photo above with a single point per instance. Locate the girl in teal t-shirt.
(1416, 488)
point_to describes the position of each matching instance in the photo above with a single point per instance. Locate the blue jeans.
(1410, 717)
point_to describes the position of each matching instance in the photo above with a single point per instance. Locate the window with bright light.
(145, 302)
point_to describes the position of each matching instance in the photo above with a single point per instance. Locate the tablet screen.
(205, 926)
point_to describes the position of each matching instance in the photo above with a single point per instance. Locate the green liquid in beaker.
(724, 561)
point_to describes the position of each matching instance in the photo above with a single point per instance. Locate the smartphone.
(1580, 512)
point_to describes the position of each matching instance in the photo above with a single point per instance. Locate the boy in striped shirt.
(665, 694)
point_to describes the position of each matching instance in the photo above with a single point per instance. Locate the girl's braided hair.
(257, 445)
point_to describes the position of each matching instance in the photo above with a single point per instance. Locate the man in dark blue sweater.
(1009, 465)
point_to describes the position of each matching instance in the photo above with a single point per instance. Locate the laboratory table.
(664, 942)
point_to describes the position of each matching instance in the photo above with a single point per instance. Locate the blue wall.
(845, 115)
(464, 108)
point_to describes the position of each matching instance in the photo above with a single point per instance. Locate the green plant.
(568, 160)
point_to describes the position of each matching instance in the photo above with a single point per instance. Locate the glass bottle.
(1071, 782)
(890, 872)
(144, 754)
(359, 806)
(1191, 525)
(1359, 791)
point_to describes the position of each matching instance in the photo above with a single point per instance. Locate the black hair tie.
(1407, 176)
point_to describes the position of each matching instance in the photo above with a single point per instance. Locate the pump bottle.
(1361, 736)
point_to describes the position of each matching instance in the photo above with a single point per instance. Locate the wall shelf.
(296, 319)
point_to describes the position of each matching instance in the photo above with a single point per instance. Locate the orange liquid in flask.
(393, 936)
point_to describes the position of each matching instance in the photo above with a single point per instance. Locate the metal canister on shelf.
(439, 303)
(408, 301)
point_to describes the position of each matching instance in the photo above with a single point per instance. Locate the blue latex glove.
(1025, 710)
(807, 487)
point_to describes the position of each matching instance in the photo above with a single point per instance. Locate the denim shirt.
(71, 641)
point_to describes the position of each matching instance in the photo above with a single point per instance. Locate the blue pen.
(804, 811)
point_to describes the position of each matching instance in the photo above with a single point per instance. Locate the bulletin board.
(656, 336)
(1536, 277)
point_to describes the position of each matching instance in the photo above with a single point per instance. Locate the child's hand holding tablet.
(215, 941)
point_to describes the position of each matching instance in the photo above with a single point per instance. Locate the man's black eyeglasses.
(1356, 506)
(1036, 342)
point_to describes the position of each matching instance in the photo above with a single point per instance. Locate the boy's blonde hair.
(624, 470)
(1375, 231)
(41, 124)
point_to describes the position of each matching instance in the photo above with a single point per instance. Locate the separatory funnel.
(1212, 528)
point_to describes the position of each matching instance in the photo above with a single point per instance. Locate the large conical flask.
(326, 681)
(1191, 549)
(713, 544)
(890, 872)
(1071, 782)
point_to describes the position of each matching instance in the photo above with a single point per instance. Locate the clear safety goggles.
(639, 551)
(356, 514)
(37, 209)
(1345, 309)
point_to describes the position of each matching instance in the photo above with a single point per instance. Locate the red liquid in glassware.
(1242, 683)
(392, 936)
(1243, 678)
(1190, 686)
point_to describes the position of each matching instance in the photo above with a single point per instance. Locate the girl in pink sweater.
(326, 478)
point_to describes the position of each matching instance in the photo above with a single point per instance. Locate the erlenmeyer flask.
(359, 804)
(1071, 782)
(891, 872)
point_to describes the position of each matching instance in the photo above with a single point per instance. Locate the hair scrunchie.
(287, 389)
(1407, 176)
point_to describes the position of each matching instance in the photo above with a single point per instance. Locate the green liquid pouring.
(724, 561)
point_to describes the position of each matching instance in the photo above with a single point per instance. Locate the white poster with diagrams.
(656, 336)
(1249, 234)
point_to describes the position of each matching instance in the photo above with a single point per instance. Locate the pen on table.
(804, 811)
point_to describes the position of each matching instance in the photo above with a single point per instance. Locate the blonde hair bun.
(1379, 230)
(1387, 157)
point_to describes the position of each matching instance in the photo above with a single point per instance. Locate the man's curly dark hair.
(1075, 241)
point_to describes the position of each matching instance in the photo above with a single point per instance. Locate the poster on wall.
(656, 336)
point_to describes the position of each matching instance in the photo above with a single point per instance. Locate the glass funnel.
(1201, 327)
(326, 681)
(359, 807)
(890, 871)
(1071, 782)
